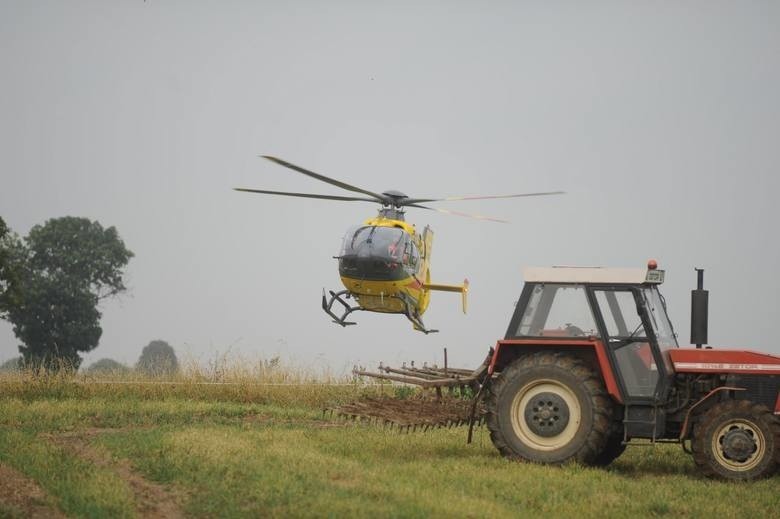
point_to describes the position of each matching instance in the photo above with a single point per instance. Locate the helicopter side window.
(414, 255)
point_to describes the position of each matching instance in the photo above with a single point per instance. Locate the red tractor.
(590, 364)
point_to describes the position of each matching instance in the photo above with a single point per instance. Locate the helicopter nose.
(370, 268)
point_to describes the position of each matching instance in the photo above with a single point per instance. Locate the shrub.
(158, 358)
(107, 366)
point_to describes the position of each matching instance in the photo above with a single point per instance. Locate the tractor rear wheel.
(549, 408)
(737, 440)
(613, 448)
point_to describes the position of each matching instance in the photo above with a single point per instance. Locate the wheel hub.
(738, 444)
(546, 414)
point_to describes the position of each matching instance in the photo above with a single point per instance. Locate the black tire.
(612, 450)
(549, 408)
(737, 440)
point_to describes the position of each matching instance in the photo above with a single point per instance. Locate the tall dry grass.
(225, 378)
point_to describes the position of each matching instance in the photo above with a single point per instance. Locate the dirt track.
(151, 499)
(23, 495)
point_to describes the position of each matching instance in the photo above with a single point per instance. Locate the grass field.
(87, 448)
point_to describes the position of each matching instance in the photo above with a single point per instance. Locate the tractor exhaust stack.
(699, 311)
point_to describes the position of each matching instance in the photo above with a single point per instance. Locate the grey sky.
(660, 119)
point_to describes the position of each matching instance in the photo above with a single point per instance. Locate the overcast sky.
(661, 120)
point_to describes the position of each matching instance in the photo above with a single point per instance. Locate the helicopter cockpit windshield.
(377, 252)
(387, 243)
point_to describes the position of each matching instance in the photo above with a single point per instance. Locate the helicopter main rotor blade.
(323, 178)
(458, 213)
(306, 195)
(489, 197)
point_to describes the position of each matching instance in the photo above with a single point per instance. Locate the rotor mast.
(392, 213)
(392, 203)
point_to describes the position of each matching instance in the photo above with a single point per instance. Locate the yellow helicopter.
(384, 263)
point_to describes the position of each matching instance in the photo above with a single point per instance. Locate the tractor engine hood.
(724, 361)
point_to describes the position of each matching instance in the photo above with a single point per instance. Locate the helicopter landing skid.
(327, 305)
(413, 316)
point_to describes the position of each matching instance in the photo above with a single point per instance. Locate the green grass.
(274, 456)
(79, 488)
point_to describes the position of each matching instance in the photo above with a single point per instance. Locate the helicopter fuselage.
(384, 265)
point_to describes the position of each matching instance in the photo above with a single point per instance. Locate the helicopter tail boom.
(463, 289)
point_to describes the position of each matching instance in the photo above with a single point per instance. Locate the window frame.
(546, 303)
(664, 375)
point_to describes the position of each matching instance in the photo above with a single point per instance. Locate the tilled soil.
(22, 495)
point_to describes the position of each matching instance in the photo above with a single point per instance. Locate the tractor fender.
(590, 349)
(687, 422)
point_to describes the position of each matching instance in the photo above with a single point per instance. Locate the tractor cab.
(620, 309)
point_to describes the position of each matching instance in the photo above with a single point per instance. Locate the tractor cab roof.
(595, 275)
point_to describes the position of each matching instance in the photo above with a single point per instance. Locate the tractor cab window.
(555, 310)
(662, 326)
(389, 243)
(628, 341)
(659, 319)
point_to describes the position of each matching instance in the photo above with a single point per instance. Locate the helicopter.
(384, 263)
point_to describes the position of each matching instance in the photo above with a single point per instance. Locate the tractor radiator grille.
(761, 389)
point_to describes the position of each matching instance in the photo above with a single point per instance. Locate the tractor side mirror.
(699, 311)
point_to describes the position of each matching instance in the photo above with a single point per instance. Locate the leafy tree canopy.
(10, 250)
(80, 253)
(158, 358)
(62, 269)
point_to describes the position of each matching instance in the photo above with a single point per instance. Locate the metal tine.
(412, 373)
(452, 371)
(438, 372)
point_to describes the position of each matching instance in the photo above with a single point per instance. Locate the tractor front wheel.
(737, 440)
(549, 408)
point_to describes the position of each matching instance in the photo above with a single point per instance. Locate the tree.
(107, 366)
(158, 358)
(10, 248)
(63, 269)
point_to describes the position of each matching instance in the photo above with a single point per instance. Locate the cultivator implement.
(410, 414)
(428, 377)
(450, 397)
